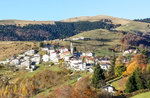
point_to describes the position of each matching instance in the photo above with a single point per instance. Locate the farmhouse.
(109, 89)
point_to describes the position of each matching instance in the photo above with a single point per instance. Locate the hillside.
(23, 22)
(40, 32)
(142, 95)
(98, 40)
(133, 26)
(20, 30)
(115, 20)
(9, 49)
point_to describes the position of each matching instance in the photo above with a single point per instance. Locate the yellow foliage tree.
(140, 61)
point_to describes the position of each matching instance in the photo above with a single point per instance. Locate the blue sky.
(62, 9)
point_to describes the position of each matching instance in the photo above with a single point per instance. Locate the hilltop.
(115, 20)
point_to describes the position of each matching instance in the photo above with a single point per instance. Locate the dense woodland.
(147, 20)
(40, 32)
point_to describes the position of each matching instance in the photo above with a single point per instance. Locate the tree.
(119, 70)
(41, 44)
(140, 61)
(135, 82)
(98, 77)
(138, 79)
(112, 66)
(130, 85)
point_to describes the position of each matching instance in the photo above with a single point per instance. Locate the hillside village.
(76, 61)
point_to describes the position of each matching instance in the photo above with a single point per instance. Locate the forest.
(40, 32)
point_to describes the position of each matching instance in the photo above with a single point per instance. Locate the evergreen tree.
(112, 66)
(98, 77)
(138, 79)
(119, 70)
(135, 82)
(130, 85)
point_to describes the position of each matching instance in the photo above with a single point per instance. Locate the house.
(30, 52)
(63, 50)
(64, 54)
(109, 89)
(104, 66)
(87, 54)
(4, 62)
(31, 67)
(25, 64)
(54, 57)
(36, 58)
(46, 58)
(44, 49)
(130, 51)
(26, 58)
(14, 62)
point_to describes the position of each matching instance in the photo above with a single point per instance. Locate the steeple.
(71, 47)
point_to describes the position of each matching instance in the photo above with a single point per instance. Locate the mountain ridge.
(115, 20)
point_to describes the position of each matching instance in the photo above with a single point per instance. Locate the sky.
(63, 9)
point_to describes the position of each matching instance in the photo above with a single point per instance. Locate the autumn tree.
(140, 61)
(98, 77)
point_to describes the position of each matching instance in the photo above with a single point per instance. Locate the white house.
(63, 50)
(44, 49)
(25, 64)
(30, 52)
(36, 59)
(54, 57)
(109, 89)
(46, 58)
(26, 58)
(4, 62)
(104, 66)
(87, 54)
(14, 62)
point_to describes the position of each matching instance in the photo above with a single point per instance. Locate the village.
(76, 61)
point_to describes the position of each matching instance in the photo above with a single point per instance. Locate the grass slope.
(100, 41)
(11, 48)
(115, 20)
(142, 95)
(135, 26)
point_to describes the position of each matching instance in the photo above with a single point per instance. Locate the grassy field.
(120, 84)
(99, 41)
(142, 95)
(11, 48)
(135, 26)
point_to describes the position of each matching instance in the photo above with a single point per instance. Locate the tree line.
(40, 32)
